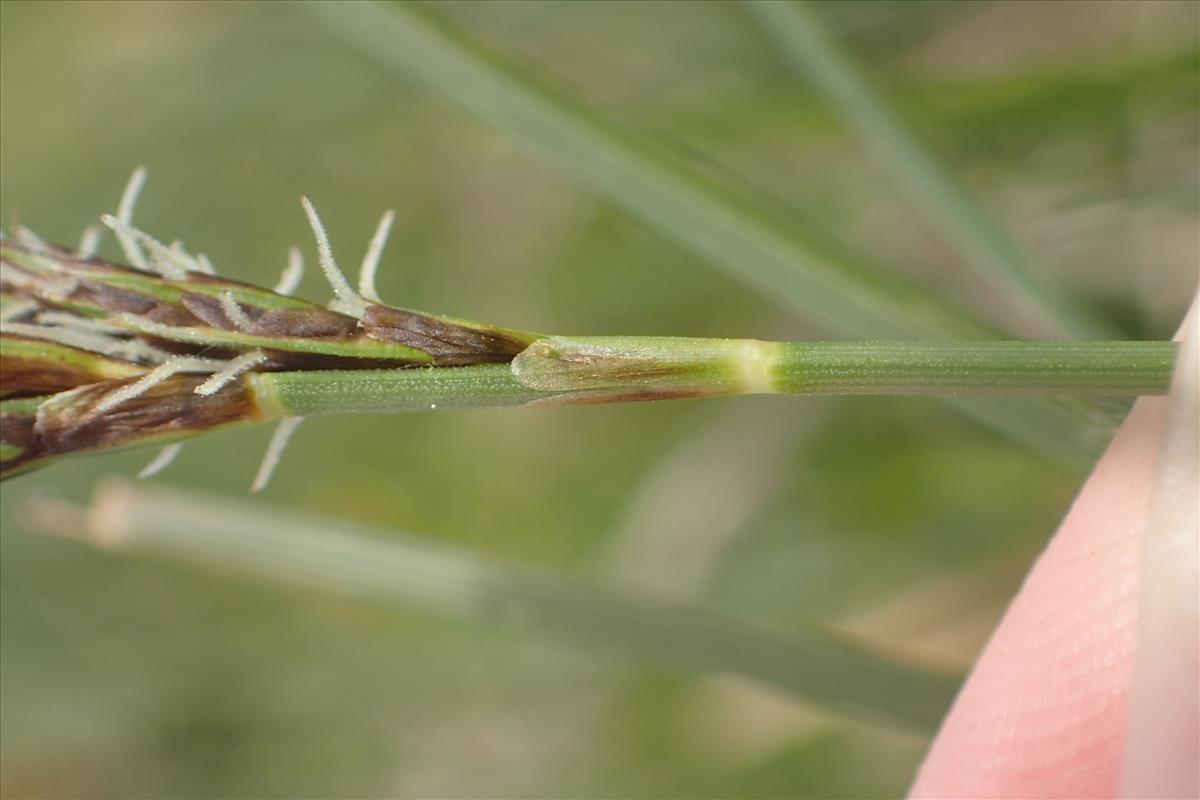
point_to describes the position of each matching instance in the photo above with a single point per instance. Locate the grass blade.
(831, 286)
(996, 257)
(396, 570)
(733, 232)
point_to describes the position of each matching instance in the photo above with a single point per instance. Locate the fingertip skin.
(1162, 752)
(1044, 712)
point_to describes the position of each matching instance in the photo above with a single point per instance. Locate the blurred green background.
(896, 520)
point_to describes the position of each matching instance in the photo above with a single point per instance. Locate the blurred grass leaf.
(994, 256)
(395, 570)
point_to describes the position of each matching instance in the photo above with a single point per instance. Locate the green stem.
(562, 369)
(282, 394)
(923, 368)
(559, 370)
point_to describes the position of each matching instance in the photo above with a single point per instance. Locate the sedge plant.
(97, 356)
(100, 356)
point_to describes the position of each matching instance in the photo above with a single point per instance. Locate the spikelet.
(97, 355)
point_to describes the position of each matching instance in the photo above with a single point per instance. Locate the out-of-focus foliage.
(896, 520)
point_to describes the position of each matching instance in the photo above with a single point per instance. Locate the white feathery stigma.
(289, 279)
(129, 199)
(30, 239)
(172, 366)
(228, 373)
(370, 262)
(189, 262)
(279, 441)
(345, 299)
(160, 461)
(165, 261)
(89, 242)
(233, 312)
(204, 265)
